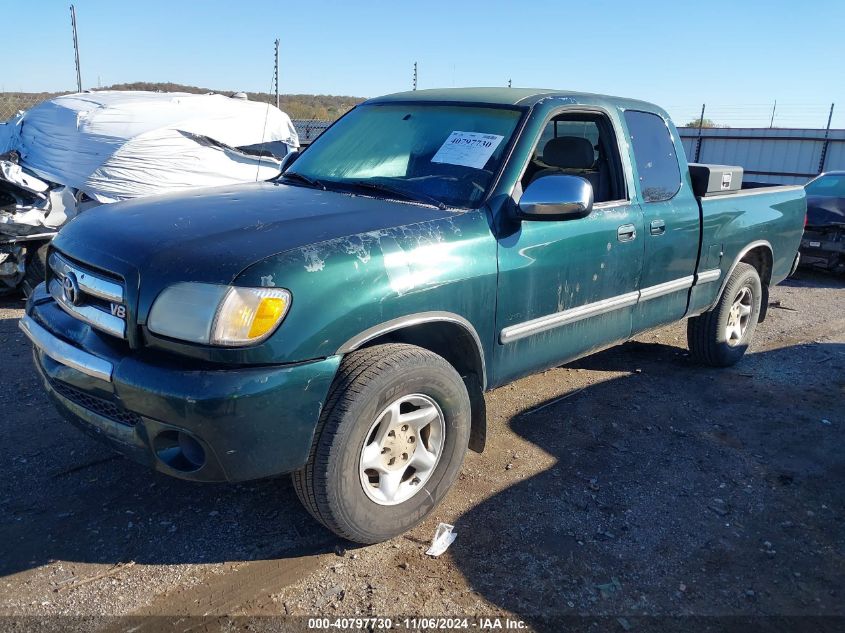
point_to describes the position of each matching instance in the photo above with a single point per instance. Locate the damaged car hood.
(211, 235)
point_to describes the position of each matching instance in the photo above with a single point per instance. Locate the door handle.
(657, 227)
(626, 233)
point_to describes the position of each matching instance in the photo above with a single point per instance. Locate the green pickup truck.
(343, 321)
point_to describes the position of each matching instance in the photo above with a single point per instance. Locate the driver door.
(568, 287)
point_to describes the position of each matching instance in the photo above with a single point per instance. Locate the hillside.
(298, 106)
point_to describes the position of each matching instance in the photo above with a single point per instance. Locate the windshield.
(428, 153)
(830, 185)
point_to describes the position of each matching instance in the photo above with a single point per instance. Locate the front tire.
(721, 336)
(389, 444)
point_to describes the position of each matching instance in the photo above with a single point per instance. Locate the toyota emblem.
(70, 289)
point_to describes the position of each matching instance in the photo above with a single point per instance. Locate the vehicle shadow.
(676, 490)
(12, 301)
(806, 277)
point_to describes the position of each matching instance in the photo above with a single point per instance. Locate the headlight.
(219, 315)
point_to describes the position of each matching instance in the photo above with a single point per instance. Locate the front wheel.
(389, 445)
(721, 336)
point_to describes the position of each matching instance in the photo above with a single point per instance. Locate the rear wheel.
(721, 336)
(389, 444)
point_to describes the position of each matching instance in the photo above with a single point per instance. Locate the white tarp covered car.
(75, 151)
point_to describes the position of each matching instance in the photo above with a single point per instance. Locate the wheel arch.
(760, 255)
(448, 335)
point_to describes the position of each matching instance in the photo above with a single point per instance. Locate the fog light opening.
(191, 449)
(179, 451)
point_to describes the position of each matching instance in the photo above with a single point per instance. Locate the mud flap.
(478, 430)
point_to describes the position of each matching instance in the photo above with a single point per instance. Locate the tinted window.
(832, 185)
(579, 144)
(654, 151)
(561, 127)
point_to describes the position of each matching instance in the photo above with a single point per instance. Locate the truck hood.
(211, 235)
(216, 233)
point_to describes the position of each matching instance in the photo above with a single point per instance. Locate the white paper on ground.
(443, 538)
(469, 149)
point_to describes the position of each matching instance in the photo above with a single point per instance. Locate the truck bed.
(767, 218)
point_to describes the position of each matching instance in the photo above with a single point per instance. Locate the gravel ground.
(629, 483)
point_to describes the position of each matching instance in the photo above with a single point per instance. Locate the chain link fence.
(309, 129)
(13, 102)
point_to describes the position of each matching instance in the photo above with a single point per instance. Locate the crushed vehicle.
(823, 244)
(342, 322)
(77, 151)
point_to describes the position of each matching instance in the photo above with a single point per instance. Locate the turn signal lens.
(270, 312)
(249, 315)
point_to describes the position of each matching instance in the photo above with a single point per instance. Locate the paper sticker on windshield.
(470, 149)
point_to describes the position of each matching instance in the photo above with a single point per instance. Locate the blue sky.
(737, 56)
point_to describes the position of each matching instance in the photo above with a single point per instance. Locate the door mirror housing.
(288, 159)
(556, 197)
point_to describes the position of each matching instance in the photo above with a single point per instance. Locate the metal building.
(768, 155)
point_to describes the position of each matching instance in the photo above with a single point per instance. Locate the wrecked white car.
(76, 151)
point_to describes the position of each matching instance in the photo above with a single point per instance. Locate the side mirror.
(288, 159)
(556, 197)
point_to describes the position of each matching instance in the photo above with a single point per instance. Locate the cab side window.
(579, 144)
(654, 152)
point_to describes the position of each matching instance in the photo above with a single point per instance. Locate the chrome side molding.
(565, 317)
(652, 292)
(708, 276)
(65, 353)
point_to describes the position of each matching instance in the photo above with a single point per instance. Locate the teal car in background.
(823, 244)
(343, 321)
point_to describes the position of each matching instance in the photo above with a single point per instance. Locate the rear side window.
(654, 151)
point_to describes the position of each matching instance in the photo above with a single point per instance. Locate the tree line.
(297, 106)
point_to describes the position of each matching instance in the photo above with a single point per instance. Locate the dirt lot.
(630, 483)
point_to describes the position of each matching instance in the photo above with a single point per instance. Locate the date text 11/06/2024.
(423, 624)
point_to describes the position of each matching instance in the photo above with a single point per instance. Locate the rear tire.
(721, 336)
(403, 410)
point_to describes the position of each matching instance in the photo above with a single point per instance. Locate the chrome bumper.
(65, 353)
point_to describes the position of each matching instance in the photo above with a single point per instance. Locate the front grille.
(99, 406)
(89, 296)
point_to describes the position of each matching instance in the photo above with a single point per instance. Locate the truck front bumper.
(193, 422)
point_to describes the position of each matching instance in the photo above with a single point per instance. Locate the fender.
(410, 320)
(742, 253)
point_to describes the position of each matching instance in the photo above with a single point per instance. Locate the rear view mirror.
(556, 197)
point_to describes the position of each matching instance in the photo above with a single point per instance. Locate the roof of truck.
(509, 96)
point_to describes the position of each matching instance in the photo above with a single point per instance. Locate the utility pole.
(276, 73)
(76, 48)
(826, 139)
(415, 75)
(698, 142)
(774, 107)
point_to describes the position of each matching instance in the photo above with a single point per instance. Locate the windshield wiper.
(399, 193)
(311, 182)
